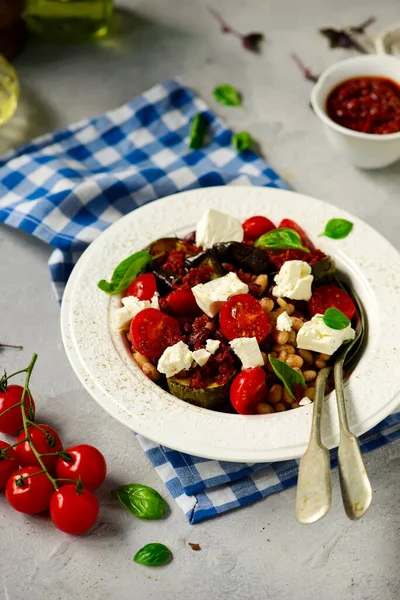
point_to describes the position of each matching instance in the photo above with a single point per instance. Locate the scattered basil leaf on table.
(289, 377)
(337, 229)
(126, 272)
(340, 38)
(153, 555)
(198, 131)
(252, 41)
(142, 501)
(227, 94)
(281, 239)
(242, 141)
(335, 319)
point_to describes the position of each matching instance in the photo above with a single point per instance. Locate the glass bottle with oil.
(69, 20)
(9, 90)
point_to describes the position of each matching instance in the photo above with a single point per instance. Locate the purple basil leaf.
(308, 74)
(338, 38)
(252, 41)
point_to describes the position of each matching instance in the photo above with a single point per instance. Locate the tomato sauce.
(366, 104)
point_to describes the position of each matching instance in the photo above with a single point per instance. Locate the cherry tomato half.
(8, 463)
(242, 316)
(31, 495)
(46, 441)
(11, 421)
(152, 332)
(87, 464)
(182, 303)
(305, 240)
(143, 287)
(73, 511)
(328, 296)
(248, 389)
(255, 227)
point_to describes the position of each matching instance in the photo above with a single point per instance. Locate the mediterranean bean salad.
(235, 317)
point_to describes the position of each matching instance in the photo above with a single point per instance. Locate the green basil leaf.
(198, 131)
(281, 239)
(126, 272)
(142, 501)
(289, 377)
(227, 94)
(335, 319)
(337, 229)
(153, 555)
(242, 141)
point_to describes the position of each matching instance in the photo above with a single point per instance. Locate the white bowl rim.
(321, 113)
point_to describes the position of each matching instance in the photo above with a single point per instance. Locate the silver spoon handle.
(314, 487)
(354, 481)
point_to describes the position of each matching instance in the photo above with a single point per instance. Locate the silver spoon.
(314, 487)
(354, 481)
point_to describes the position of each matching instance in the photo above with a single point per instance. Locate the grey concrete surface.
(255, 553)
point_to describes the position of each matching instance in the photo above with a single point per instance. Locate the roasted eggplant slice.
(243, 256)
(209, 258)
(212, 397)
(166, 281)
(323, 269)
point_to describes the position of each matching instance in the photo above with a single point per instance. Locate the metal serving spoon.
(314, 488)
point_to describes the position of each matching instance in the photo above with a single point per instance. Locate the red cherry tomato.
(8, 463)
(11, 422)
(87, 464)
(73, 511)
(46, 441)
(255, 227)
(305, 240)
(143, 287)
(182, 303)
(242, 316)
(31, 495)
(152, 332)
(328, 296)
(248, 389)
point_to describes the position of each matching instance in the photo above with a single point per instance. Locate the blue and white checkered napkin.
(67, 187)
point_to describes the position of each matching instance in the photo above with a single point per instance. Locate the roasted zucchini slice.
(212, 397)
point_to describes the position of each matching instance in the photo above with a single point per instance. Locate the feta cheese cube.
(248, 351)
(201, 356)
(212, 346)
(175, 359)
(215, 226)
(318, 337)
(131, 307)
(305, 401)
(211, 296)
(284, 322)
(293, 281)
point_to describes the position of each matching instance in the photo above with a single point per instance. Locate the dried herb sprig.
(308, 74)
(345, 38)
(250, 41)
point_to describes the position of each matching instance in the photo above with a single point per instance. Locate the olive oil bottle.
(69, 20)
(9, 90)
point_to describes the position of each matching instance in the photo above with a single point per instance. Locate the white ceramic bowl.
(99, 354)
(365, 150)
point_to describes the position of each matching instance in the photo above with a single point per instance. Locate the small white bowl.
(365, 150)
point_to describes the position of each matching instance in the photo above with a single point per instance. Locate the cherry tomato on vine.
(11, 422)
(46, 441)
(243, 316)
(248, 389)
(255, 227)
(8, 463)
(31, 495)
(143, 287)
(182, 303)
(330, 296)
(87, 464)
(72, 510)
(152, 332)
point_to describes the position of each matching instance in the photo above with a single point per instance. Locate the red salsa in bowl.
(366, 104)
